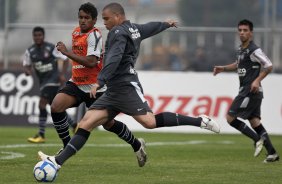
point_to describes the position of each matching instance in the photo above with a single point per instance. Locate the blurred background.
(207, 33)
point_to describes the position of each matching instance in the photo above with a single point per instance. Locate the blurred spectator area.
(176, 49)
(199, 49)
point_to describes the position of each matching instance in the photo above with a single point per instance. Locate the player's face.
(110, 19)
(245, 33)
(86, 23)
(38, 37)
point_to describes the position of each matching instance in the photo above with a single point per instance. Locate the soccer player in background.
(124, 92)
(43, 58)
(87, 56)
(252, 66)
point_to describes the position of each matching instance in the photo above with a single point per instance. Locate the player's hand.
(255, 87)
(62, 47)
(217, 69)
(93, 91)
(172, 23)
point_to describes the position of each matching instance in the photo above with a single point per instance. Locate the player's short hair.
(246, 23)
(89, 8)
(115, 8)
(38, 29)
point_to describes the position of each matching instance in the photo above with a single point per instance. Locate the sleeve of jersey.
(26, 58)
(259, 56)
(116, 45)
(95, 45)
(58, 54)
(152, 28)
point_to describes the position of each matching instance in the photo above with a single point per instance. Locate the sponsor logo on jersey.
(78, 66)
(46, 54)
(40, 67)
(134, 33)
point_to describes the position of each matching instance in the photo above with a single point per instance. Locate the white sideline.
(13, 155)
(118, 145)
(10, 155)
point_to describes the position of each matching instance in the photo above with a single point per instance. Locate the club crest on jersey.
(46, 54)
(241, 72)
(76, 33)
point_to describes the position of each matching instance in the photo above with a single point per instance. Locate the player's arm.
(27, 63)
(259, 56)
(63, 62)
(153, 28)
(219, 69)
(87, 61)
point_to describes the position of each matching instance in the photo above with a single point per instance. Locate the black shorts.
(71, 89)
(127, 98)
(49, 93)
(245, 107)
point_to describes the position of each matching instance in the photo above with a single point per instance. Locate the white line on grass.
(119, 145)
(10, 155)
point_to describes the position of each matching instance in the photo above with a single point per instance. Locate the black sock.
(42, 122)
(244, 129)
(75, 144)
(267, 143)
(122, 131)
(71, 122)
(167, 119)
(60, 121)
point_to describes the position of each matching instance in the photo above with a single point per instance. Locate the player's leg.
(241, 107)
(122, 131)
(169, 119)
(118, 127)
(247, 131)
(40, 136)
(272, 155)
(244, 107)
(242, 127)
(136, 105)
(60, 117)
(90, 120)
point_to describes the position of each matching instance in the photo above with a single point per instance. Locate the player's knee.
(108, 125)
(149, 124)
(229, 118)
(56, 108)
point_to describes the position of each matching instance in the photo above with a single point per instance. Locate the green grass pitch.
(172, 159)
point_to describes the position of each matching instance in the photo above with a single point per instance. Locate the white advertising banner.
(192, 94)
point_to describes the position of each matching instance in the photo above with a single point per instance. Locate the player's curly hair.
(89, 8)
(38, 29)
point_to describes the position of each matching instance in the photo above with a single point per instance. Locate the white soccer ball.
(45, 171)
